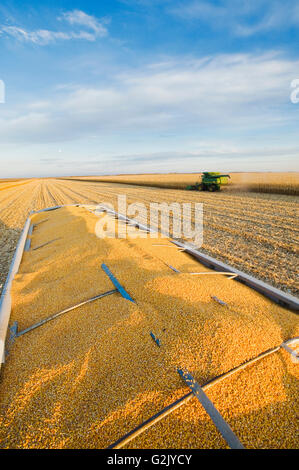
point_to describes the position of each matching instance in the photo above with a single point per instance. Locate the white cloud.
(93, 29)
(236, 92)
(40, 37)
(78, 17)
(241, 17)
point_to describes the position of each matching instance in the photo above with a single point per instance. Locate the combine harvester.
(140, 343)
(210, 181)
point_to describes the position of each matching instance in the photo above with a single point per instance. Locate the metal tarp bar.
(53, 208)
(118, 286)
(222, 426)
(48, 209)
(218, 300)
(52, 317)
(46, 243)
(174, 269)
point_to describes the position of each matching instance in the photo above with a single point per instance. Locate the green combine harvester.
(210, 181)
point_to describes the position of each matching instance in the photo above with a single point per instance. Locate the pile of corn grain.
(88, 377)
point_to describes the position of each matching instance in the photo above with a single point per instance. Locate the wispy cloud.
(241, 17)
(78, 17)
(93, 29)
(233, 91)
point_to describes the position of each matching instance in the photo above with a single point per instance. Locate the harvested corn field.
(256, 233)
(274, 183)
(94, 374)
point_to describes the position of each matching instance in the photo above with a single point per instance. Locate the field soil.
(254, 232)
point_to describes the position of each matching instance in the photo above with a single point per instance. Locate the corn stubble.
(256, 233)
(273, 183)
(87, 378)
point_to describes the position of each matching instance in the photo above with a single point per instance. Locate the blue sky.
(130, 86)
